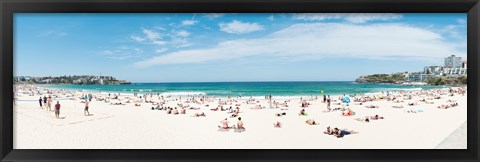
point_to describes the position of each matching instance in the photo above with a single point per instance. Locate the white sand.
(130, 127)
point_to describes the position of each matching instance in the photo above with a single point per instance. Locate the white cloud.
(238, 27)
(214, 15)
(318, 40)
(189, 22)
(183, 33)
(137, 39)
(122, 53)
(349, 17)
(152, 36)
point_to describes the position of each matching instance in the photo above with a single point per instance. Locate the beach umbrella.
(346, 100)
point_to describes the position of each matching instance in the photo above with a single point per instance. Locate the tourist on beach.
(311, 122)
(328, 104)
(240, 123)
(49, 103)
(340, 133)
(328, 131)
(302, 112)
(175, 111)
(277, 124)
(199, 114)
(224, 124)
(40, 102)
(183, 111)
(45, 101)
(85, 112)
(57, 110)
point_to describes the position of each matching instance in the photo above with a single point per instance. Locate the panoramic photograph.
(240, 81)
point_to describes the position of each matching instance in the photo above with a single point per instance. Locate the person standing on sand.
(49, 103)
(85, 112)
(40, 102)
(328, 104)
(45, 101)
(57, 110)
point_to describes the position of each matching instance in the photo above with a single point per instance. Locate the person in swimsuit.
(49, 103)
(85, 112)
(224, 124)
(311, 122)
(57, 110)
(240, 123)
(341, 133)
(302, 112)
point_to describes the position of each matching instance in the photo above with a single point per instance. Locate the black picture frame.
(9, 7)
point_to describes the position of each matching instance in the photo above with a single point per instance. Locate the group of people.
(225, 122)
(47, 103)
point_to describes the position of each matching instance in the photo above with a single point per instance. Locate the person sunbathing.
(396, 106)
(280, 114)
(215, 109)
(137, 105)
(412, 104)
(341, 133)
(329, 131)
(429, 102)
(199, 115)
(277, 125)
(311, 122)
(451, 101)
(376, 117)
(444, 107)
(372, 106)
(349, 112)
(183, 111)
(224, 124)
(240, 123)
(302, 112)
(366, 119)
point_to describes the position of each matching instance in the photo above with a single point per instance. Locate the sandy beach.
(421, 126)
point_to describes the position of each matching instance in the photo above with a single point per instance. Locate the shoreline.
(204, 93)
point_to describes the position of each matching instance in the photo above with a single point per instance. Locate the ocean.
(244, 88)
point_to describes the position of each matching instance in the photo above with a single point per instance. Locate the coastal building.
(455, 71)
(418, 77)
(435, 70)
(453, 62)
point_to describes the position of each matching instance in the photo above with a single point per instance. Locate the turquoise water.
(244, 88)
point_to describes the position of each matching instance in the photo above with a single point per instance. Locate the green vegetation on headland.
(75, 79)
(462, 80)
(402, 79)
(382, 78)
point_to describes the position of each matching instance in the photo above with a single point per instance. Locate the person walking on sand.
(40, 102)
(45, 101)
(57, 110)
(49, 103)
(85, 112)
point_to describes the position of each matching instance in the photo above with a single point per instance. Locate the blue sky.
(234, 47)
